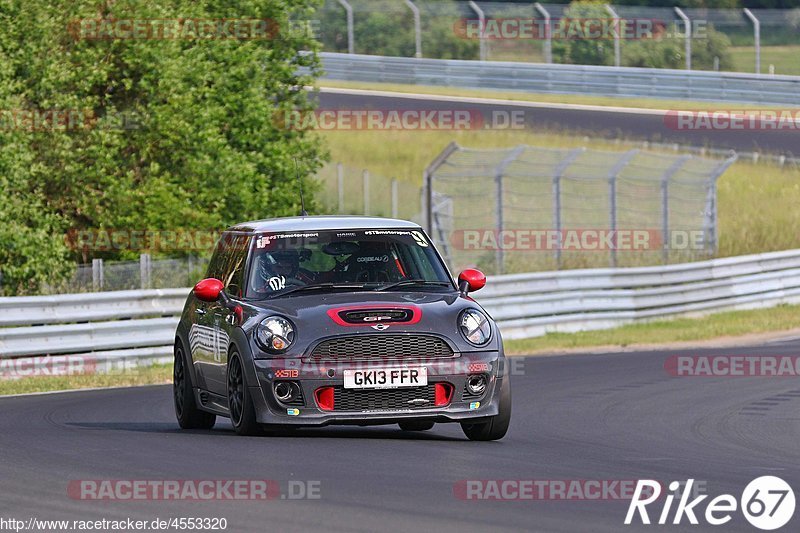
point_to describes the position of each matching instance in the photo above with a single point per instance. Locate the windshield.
(339, 260)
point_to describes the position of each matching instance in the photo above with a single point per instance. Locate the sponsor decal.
(419, 238)
(265, 240)
(277, 283)
(293, 412)
(374, 259)
(474, 405)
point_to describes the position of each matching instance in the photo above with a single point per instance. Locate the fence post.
(617, 52)
(688, 44)
(665, 177)
(499, 206)
(482, 22)
(394, 198)
(340, 186)
(365, 189)
(97, 275)
(351, 42)
(612, 198)
(417, 28)
(557, 174)
(711, 200)
(427, 185)
(145, 270)
(548, 35)
(756, 36)
(498, 255)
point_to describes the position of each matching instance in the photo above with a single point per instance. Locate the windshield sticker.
(419, 238)
(386, 232)
(374, 259)
(265, 240)
(277, 283)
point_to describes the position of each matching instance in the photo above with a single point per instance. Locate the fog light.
(284, 391)
(476, 384)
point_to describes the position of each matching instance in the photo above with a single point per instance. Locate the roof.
(321, 223)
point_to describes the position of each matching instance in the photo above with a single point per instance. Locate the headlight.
(475, 327)
(275, 334)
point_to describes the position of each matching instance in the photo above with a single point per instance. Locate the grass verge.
(680, 330)
(783, 57)
(146, 375)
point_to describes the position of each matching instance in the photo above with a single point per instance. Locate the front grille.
(383, 399)
(382, 347)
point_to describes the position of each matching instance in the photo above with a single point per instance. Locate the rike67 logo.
(767, 502)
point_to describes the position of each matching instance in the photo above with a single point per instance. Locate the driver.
(276, 270)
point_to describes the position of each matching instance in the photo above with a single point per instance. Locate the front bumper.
(313, 375)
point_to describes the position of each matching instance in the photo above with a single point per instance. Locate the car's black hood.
(318, 315)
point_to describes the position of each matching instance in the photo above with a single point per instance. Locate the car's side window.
(228, 262)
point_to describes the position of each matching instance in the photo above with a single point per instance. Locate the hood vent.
(376, 316)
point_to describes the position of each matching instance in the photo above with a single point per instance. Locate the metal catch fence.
(527, 208)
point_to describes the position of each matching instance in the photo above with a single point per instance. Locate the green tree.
(200, 146)
(670, 52)
(569, 44)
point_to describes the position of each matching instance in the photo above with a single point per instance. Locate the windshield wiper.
(412, 282)
(319, 286)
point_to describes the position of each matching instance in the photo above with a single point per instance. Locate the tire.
(416, 425)
(497, 426)
(186, 411)
(240, 403)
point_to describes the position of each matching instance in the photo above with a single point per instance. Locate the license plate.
(385, 378)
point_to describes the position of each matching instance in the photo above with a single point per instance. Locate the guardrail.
(104, 326)
(566, 79)
(140, 325)
(529, 305)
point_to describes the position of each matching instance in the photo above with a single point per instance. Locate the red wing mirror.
(208, 290)
(471, 280)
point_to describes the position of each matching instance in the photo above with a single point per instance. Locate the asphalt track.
(577, 417)
(592, 121)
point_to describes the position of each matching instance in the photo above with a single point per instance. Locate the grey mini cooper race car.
(310, 321)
